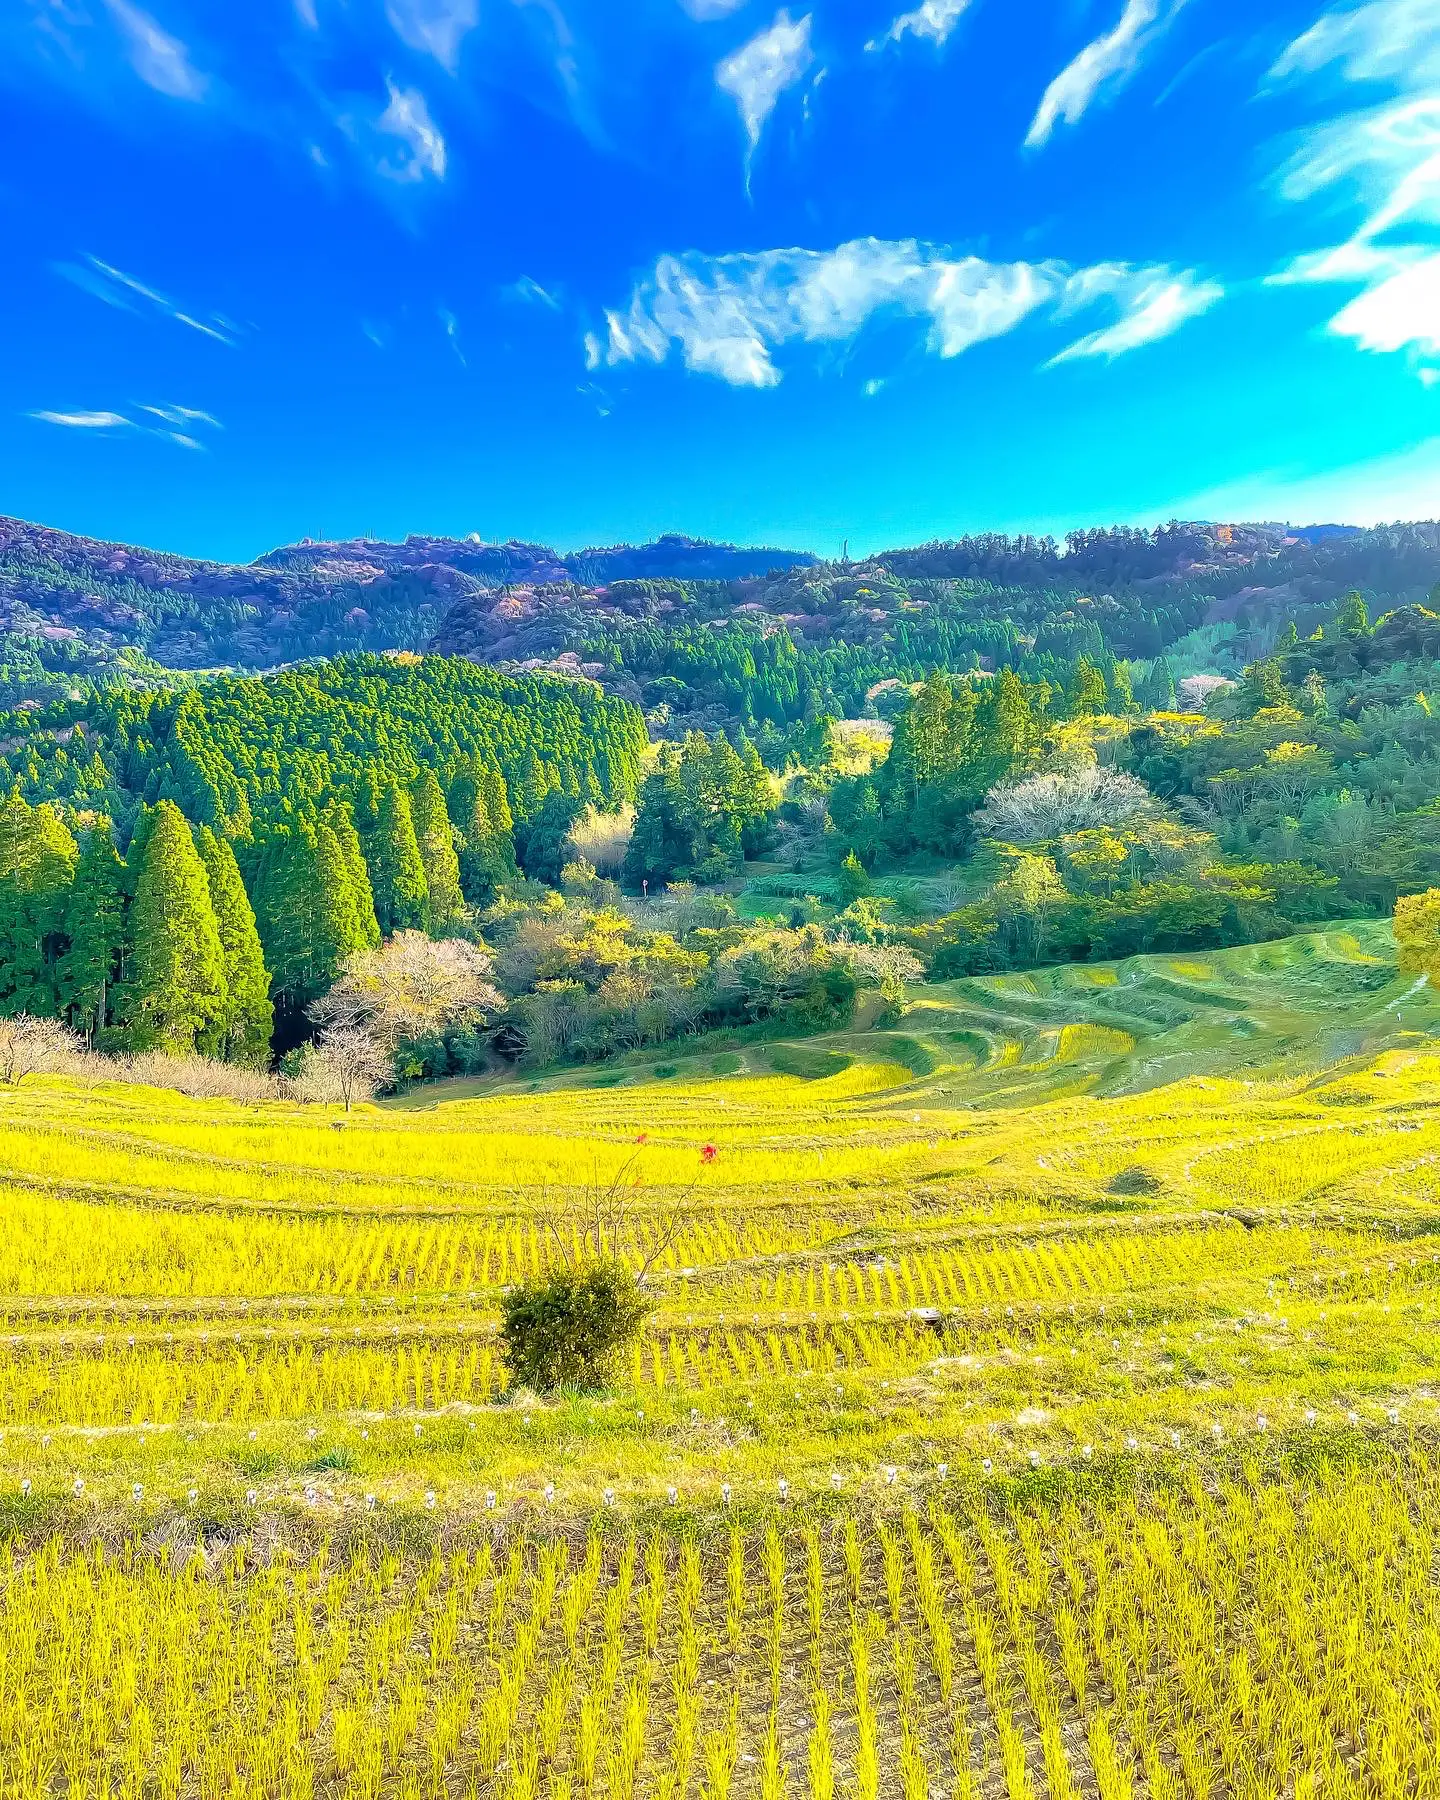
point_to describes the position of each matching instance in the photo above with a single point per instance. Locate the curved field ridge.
(1038, 1401)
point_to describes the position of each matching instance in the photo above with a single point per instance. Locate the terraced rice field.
(1039, 1400)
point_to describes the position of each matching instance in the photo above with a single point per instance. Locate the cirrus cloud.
(422, 148)
(933, 19)
(436, 27)
(1104, 62)
(729, 315)
(758, 73)
(160, 60)
(1388, 157)
(178, 424)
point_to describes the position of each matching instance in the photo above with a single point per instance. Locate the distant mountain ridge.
(73, 607)
(74, 604)
(672, 557)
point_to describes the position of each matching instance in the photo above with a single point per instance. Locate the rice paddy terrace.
(1039, 1400)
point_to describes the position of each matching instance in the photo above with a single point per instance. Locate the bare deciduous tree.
(30, 1046)
(346, 1062)
(604, 1224)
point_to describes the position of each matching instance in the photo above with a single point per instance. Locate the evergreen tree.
(397, 874)
(435, 839)
(37, 865)
(341, 821)
(241, 1032)
(1157, 690)
(1087, 688)
(310, 914)
(95, 930)
(176, 988)
(659, 843)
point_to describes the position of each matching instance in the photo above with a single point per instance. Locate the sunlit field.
(1038, 1401)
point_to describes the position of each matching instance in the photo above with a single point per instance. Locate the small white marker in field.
(79, 1487)
(430, 1499)
(672, 1495)
(987, 1465)
(784, 1486)
(724, 1493)
(609, 1496)
(549, 1493)
(1087, 1452)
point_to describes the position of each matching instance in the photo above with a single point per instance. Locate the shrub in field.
(567, 1328)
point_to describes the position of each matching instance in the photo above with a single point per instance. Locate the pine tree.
(435, 839)
(241, 1033)
(95, 929)
(397, 874)
(176, 987)
(37, 865)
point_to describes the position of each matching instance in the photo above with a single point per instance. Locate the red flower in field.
(708, 1153)
(644, 1138)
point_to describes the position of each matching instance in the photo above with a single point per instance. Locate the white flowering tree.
(1050, 806)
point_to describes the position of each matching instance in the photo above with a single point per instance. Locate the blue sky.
(588, 270)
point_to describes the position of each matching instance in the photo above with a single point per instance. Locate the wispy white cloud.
(422, 150)
(183, 415)
(83, 421)
(712, 9)
(436, 27)
(527, 289)
(178, 424)
(758, 73)
(1153, 303)
(451, 327)
(1385, 40)
(1387, 157)
(933, 19)
(1104, 62)
(127, 294)
(160, 60)
(729, 315)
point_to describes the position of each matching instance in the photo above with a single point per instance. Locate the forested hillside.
(727, 806)
(701, 635)
(74, 609)
(1186, 600)
(274, 827)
